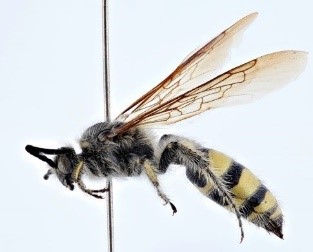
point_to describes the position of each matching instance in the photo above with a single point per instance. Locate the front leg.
(150, 170)
(93, 193)
(77, 177)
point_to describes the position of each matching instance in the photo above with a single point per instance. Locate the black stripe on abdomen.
(249, 204)
(233, 174)
(196, 177)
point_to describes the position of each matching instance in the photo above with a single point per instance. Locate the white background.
(51, 90)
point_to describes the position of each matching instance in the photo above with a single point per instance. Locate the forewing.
(242, 84)
(202, 63)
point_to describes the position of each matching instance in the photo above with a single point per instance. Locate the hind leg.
(182, 151)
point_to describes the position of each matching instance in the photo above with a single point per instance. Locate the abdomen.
(252, 199)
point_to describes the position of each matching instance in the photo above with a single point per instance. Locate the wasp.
(125, 147)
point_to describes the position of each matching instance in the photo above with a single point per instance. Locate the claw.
(242, 236)
(173, 208)
(96, 196)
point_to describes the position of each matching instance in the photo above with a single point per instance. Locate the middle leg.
(150, 170)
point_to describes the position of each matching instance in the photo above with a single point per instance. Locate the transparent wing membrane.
(203, 62)
(237, 86)
(194, 87)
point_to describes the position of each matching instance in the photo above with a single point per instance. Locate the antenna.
(107, 116)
